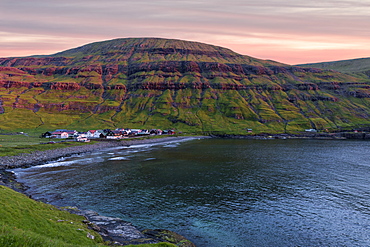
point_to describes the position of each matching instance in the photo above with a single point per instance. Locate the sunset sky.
(289, 31)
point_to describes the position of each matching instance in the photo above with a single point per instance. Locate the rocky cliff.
(159, 83)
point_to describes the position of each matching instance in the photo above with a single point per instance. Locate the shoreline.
(315, 135)
(41, 157)
(114, 230)
(36, 158)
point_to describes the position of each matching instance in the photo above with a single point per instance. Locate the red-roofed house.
(59, 134)
(93, 134)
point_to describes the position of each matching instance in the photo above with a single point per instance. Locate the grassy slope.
(189, 110)
(359, 66)
(196, 111)
(25, 222)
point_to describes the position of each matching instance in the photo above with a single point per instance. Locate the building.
(59, 134)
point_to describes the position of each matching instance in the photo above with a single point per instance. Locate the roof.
(58, 132)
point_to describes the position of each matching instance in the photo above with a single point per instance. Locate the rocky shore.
(119, 232)
(41, 157)
(321, 135)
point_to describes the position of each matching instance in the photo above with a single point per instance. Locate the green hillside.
(160, 83)
(24, 222)
(358, 67)
(28, 223)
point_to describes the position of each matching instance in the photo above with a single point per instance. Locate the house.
(168, 132)
(103, 133)
(124, 132)
(71, 133)
(91, 134)
(59, 134)
(155, 132)
(114, 134)
(47, 134)
(135, 132)
(81, 134)
(143, 132)
(82, 139)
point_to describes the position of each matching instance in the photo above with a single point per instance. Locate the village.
(116, 134)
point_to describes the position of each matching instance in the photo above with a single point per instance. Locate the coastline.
(315, 135)
(41, 157)
(25, 160)
(114, 230)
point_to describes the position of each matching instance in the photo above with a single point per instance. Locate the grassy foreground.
(25, 222)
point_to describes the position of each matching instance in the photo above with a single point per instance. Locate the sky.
(288, 31)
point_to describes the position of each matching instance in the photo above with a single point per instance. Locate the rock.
(114, 230)
(90, 236)
(162, 235)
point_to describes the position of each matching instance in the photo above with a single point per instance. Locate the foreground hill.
(160, 83)
(24, 222)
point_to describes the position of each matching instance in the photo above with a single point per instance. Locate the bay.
(223, 192)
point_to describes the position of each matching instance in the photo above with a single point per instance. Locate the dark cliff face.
(173, 83)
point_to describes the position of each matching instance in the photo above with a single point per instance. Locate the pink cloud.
(290, 32)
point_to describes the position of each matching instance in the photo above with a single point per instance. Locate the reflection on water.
(223, 192)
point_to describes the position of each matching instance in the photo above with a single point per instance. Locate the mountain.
(357, 67)
(162, 83)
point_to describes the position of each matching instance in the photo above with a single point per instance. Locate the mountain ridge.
(358, 66)
(155, 45)
(163, 83)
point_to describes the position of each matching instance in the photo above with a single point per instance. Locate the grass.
(19, 139)
(25, 222)
(17, 144)
(269, 103)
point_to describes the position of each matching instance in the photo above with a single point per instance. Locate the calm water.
(223, 192)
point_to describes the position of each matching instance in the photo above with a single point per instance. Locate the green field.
(13, 140)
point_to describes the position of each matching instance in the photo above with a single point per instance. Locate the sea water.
(223, 192)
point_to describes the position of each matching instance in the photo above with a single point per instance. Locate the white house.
(71, 133)
(91, 134)
(82, 139)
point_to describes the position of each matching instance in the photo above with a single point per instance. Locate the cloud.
(297, 26)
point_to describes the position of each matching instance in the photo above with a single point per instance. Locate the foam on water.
(119, 158)
(56, 164)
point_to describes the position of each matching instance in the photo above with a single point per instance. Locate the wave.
(64, 162)
(119, 158)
